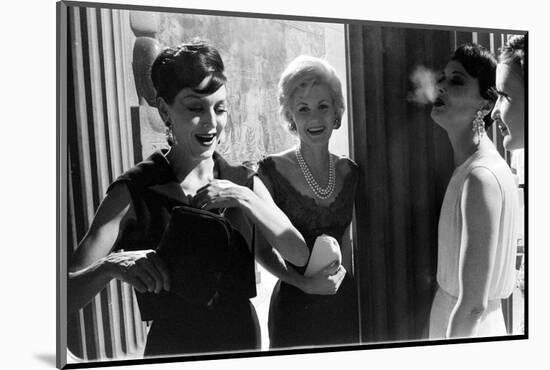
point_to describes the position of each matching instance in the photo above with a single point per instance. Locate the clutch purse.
(325, 251)
(195, 247)
(207, 259)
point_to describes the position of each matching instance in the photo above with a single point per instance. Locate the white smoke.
(424, 85)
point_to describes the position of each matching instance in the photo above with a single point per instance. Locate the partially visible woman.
(129, 224)
(477, 225)
(316, 189)
(509, 111)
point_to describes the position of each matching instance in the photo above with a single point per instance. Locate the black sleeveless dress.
(178, 326)
(297, 318)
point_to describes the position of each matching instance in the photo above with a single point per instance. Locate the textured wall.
(255, 52)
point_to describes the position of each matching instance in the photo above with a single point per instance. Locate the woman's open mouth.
(316, 130)
(439, 102)
(205, 139)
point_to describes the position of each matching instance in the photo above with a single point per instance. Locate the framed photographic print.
(208, 158)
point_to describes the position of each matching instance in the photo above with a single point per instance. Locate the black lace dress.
(297, 318)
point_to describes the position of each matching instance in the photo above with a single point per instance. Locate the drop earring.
(478, 125)
(291, 125)
(170, 138)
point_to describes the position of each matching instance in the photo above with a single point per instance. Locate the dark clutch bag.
(208, 261)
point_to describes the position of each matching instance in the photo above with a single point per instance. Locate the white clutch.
(326, 251)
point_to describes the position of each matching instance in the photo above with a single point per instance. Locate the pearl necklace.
(321, 193)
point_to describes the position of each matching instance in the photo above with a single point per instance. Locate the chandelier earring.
(478, 125)
(170, 138)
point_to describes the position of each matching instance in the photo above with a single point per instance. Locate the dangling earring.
(478, 125)
(291, 125)
(170, 138)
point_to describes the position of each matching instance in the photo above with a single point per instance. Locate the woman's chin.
(510, 143)
(437, 118)
(203, 152)
(208, 152)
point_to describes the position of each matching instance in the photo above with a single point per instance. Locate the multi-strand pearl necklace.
(320, 192)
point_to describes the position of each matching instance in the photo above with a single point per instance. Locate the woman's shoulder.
(240, 174)
(482, 185)
(279, 162)
(151, 171)
(491, 168)
(279, 170)
(283, 157)
(346, 166)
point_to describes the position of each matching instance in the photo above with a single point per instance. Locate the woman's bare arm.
(481, 208)
(93, 264)
(325, 282)
(260, 208)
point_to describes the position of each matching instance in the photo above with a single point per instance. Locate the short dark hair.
(186, 66)
(514, 52)
(480, 64)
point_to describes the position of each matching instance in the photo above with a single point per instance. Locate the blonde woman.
(316, 190)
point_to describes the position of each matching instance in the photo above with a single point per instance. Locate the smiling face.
(197, 119)
(509, 108)
(314, 114)
(458, 97)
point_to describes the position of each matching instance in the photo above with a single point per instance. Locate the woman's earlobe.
(163, 109)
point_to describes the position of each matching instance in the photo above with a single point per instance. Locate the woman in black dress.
(316, 190)
(129, 225)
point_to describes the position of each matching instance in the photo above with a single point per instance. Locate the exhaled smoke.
(424, 85)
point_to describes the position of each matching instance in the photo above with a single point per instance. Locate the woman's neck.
(317, 157)
(186, 168)
(465, 143)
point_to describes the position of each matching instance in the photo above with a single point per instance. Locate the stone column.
(149, 130)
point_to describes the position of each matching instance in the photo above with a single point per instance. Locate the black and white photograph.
(260, 186)
(319, 184)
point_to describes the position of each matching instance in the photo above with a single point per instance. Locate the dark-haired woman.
(477, 224)
(122, 240)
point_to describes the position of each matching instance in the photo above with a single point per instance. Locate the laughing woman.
(509, 111)
(477, 225)
(316, 189)
(122, 240)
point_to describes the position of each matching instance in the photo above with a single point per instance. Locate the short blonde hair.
(307, 70)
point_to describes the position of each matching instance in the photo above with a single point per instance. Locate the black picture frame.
(62, 181)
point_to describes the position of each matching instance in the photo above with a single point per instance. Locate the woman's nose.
(209, 119)
(316, 115)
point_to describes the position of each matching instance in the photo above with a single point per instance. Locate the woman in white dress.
(477, 224)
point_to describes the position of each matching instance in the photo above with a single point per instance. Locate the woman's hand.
(325, 282)
(220, 194)
(143, 269)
